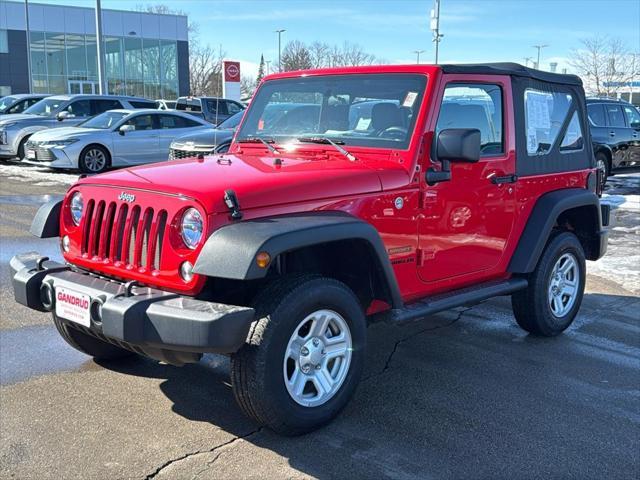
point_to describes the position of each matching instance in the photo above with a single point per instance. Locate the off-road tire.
(257, 368)
(88, 344)
(531, 305)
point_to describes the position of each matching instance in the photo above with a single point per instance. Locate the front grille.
(125, 235)
(42, 154)
(178, 154)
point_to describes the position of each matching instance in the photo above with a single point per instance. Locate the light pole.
(435, 26)
(539, 47)
(418, 52)
(100, 49)
(279, 32)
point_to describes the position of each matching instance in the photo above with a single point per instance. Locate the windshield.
(6, 102)
(373, 110)
(45, 107)
(104, 120)
(231, 122)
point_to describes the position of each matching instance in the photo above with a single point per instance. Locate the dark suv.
(615, 131)
(212, 109)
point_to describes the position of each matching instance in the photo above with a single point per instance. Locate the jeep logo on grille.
(126, 197)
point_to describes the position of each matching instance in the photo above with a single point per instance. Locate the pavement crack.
(168, 463)
(387, 363)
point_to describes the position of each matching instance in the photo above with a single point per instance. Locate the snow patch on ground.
(36, 175)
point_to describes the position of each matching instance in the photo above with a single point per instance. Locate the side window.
(233, 108)
(100, 106)
(143, 104)
(615, 115)
(141, 122)
(573, 136)
(466, 105)
(32, 101)
(174, 121)
(596, 114)
(19, 107)
(545, 113)
(633, 117)
(79, 108)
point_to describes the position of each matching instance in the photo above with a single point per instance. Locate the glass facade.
(67, 63)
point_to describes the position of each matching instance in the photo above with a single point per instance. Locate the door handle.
(513, 178)
(612, 134)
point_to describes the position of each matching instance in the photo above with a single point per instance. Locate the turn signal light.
(263, 259)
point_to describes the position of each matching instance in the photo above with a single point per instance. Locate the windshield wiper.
(328, 141)
(265, 141)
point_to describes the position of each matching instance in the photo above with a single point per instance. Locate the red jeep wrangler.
(348, 196)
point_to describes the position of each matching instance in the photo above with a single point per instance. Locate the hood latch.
(232, 203)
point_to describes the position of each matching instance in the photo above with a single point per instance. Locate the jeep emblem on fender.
(126, 197)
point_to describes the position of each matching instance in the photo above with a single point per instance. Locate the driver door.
(465, 222)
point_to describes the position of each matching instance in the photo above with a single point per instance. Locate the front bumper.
(168, 327)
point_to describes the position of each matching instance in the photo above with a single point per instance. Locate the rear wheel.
(93, 159)
(88, 344)
(556, 287)
(604, 165)
(304, 355)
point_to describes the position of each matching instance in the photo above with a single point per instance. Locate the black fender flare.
(230, 252)
(540, 223)
(46, 223)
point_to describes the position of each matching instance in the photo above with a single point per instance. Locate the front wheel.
(556, 287)
(602, 164)
(304, 355)
(93, 159)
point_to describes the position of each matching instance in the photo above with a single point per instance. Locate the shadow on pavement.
(475, 398)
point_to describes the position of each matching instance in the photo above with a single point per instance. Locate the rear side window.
(142, 104)
(474, 106)
(100, 106)
(596, 114)
(615, 116)
(80, 108)
(545, 113)
(233, 108)
(141, 122)
(175, 121)
(633, 117)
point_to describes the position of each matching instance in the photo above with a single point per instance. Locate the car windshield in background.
(364, 110)
(6, 102)
(45, 107)
(104, 120)
(231, 122)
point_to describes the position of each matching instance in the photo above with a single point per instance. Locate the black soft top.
(513, 69)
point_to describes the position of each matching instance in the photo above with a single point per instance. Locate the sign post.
(231, 84)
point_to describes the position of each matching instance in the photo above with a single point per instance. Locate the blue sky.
(474, 31)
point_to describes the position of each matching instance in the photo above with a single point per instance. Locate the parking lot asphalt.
(465, 394)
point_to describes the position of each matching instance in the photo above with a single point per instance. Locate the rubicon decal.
(126, 197)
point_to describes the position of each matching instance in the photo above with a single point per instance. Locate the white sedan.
(116, 138)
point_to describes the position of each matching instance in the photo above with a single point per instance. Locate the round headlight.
(191, 228)
(76, 207)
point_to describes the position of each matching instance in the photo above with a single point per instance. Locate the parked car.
(212, 109)
(615, 132)
(115, 138)
(18, 103)
(57, 111)
(205, 142)
(282, 251)
(166, 104)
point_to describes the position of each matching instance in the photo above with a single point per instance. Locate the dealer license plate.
(73, 306)
(31, 154)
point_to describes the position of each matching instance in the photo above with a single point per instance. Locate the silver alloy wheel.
(317, 358)
(95, 160)
(563, 285)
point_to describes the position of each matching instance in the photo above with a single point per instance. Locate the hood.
(13, 117)
(209, 137)
(255, 179)
(62, 133)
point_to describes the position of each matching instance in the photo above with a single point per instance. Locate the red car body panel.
(443, 237)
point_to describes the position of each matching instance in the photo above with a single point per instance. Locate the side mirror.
(64, 115)
(454, 145)
(126, 128)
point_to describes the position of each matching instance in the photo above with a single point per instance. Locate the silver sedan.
(116, 138)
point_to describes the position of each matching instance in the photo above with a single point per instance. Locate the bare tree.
(320, 54)
(296, 56)
(205, 70)
(163, 9)
(605, 65)
(247, 86)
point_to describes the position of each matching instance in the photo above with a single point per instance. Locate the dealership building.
(146, 54)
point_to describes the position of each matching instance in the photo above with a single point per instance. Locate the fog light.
(263, 259)
(65, 243)
(186, 271)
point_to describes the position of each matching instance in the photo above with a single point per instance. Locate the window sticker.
(363, 123)
(410, 99)
(538, 115)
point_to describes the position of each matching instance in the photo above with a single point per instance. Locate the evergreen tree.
(260, 70)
